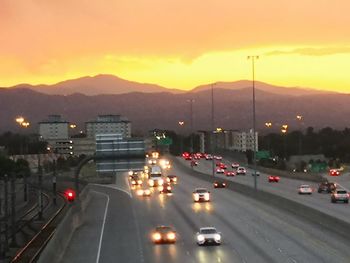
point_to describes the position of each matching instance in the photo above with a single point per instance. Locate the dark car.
(326, 187)
(219, 184)
(163, 234)
(171, 179)
(165, 189)
(273, 179)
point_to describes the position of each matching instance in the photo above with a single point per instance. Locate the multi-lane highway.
(287, 188)
(118, 223)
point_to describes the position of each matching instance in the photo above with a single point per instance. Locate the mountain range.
(150, 106)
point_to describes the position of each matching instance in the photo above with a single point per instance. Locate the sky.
(177, 43)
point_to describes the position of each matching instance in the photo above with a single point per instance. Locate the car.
(135, 180)
(340, 195)
(194, 163)
(201, 194)
(273, 179)
(217, 157)
(143, 192)
(155, 179)
(219, 184)
(327, 187)
(229, 173)
(241, 171)
(334, 172)
(171, 179)
(208, 235)
(165, 189)
(223, 166)
(220, 170)
(163, 235)
(235, 165)
(208, 157)
(305, 189)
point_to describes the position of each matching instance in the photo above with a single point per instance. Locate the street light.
(284, 130)
(72, 126)
(253, 58)
(300, 120)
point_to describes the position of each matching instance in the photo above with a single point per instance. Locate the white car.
(235, 165)
(220, 170)
(201, 194)
(241, 171)
(208, 235)
(305, 189)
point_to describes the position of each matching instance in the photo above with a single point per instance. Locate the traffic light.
(70, 195)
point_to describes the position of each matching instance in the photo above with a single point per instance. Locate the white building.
(243, 141)
(109, 124)
(54, 128)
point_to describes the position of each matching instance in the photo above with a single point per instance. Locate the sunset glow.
(177, 44)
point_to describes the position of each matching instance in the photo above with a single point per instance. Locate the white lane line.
(114, 187)
(103, 226)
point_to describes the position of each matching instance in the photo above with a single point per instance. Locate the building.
(54, 128)
(244, 141)
(60, 146)
(108, 124)
(84, 146)
(227, 139)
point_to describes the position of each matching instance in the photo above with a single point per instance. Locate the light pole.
(284, 130)
(181, 123)
(253, 58)
(191, 124)
(212, 129)
(300, 120)
(23, 124)
(268, 125)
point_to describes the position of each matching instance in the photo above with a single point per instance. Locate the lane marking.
(103, 226)
(114, 187)
(343, 187)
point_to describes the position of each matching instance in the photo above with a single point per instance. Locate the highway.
(118, 224)
(287, 188)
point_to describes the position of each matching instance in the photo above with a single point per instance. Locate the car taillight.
(348, 195)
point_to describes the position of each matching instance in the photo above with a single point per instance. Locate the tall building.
(54, 128)
(243, 141)
(109, 124)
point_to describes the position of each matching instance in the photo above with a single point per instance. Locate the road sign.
(165, 141)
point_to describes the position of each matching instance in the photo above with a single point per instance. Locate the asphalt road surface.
(117, 228)
(288, 188)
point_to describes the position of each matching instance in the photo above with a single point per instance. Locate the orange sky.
(178, 44)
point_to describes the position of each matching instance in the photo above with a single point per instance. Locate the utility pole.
(253, 58)
(212, 129)
(13, 210)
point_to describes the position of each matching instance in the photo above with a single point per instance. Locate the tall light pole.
(191, 124)
(268, 126)
(181, 123)
(284, 130)
(212, 134)
(300, 120)
(253, 58)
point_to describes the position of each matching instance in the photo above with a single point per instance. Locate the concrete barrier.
(56, 247)
(309, 214)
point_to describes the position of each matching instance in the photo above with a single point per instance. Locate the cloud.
(311, 51)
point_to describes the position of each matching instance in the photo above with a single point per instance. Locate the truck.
(155, 176)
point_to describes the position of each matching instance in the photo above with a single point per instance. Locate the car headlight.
(174, 179)
(139, 192)
(168, 179)
(133, 182)
(200, 238)
(171, 236)
(196, 197)
(206, 196)
(130, 173)
(168, 188)
(147, 192)
(156, 236)
(160, 181)
(139, 181)
(151, 182)
(217, 237)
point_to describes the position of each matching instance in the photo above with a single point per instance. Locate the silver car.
(208, 235)
(340, 195)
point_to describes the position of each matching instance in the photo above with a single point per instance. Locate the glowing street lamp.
(20, 120)
(72, 126)
(284, 130)
(268, 124)
(25, 124)
(300, 120)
